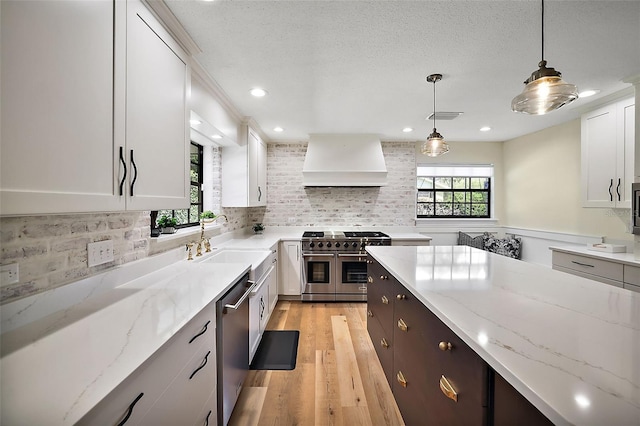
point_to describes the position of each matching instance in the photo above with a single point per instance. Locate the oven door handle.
(352, 255)
(317, 255)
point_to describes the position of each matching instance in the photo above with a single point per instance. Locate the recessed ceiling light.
(485, 129)
(587, 93)
(195, 122)
(407, 129)
(258, 92)
(215, 136)
(278, 129)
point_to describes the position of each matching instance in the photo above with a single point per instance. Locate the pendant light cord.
(434, 105)
(542, 30)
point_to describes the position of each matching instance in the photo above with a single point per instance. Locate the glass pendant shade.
(545, 91)
(435, 145)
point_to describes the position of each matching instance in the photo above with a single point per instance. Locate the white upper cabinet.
(157, 131)
(608, 146)
(57, 107)
(244, 171)
(75, 93)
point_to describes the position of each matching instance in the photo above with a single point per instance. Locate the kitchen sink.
(257, 259)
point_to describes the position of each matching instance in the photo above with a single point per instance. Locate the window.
(190, 216)
(454, 192)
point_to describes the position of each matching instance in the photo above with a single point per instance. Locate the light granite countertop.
(570, 345)
(624, 258)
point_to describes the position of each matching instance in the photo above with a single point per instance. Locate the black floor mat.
(277, 350)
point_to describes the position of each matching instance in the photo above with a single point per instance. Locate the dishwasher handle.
(246, 294)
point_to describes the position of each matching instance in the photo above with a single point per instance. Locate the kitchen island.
(569, 345)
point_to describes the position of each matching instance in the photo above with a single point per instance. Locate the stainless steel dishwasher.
(232, 339)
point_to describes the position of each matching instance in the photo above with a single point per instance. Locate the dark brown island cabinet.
(435, 377)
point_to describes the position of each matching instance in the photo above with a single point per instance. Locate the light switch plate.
(9, 274)
(100, 252)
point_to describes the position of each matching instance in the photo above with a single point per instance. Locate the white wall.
(542, 187)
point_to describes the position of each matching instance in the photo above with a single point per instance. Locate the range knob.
(329, 244)
(354, 244)
(312, 244)
(337, 244)
(320, 244)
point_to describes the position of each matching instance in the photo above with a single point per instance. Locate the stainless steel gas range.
(334, 264)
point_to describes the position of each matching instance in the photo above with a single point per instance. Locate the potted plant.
(258, 228)
(208, 216)
(167, 224)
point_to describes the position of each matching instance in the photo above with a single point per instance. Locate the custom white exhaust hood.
(344, 160)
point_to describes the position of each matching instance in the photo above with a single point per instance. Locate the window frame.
(467, 171)
(200, 203)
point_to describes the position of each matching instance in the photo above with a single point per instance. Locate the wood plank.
(351, 390)
(290, 398)
(328, 411)
(248, 407)
(356, 416)
(307, 340)
(278, 316)
(257, 378)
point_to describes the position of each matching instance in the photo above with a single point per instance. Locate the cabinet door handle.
(259, 193)
(384, 277)
(385, 300)
(369, 313)
(401, 379)
(135, 173)
(582, 264)
(130, 409)
(204, 330)
(610, 186)
(401, 297)
(402, 325)
(384, 343)
(204, 362)
(206, 421)
(445, 346)
(447, 389)
(618, 190)
(370, 279)
(124, 166)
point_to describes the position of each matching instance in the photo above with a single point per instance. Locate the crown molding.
(171, 23)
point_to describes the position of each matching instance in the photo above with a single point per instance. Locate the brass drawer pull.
(401, 297)
(369, 313)
(447, 389)
(445, 346)
(370, 279)
(385, 300)
(384, 343)
(402, 325)
(401, 379)
(384, 277)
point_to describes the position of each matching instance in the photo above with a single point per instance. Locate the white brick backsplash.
(52, 250)
(391, 205)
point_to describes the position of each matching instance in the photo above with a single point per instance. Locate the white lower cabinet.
(260, 308)
(605, 270)
(290, 267)
(172, 386)
(273, 280)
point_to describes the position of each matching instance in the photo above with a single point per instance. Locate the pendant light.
(545, 91)
(435, 144)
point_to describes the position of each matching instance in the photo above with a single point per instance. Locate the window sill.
(186, 232)
(458, 223)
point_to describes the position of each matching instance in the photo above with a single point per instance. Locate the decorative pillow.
(511, 246)
(468, 240)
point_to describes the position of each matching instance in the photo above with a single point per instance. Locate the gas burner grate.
(313, 234)
(365, 234)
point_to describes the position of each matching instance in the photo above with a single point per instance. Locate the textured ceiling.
(360, 66)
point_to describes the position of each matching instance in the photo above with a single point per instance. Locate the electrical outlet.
(100, 252)
(291, 219)
(9, 273)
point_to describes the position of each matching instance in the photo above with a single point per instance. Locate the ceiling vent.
(444, 115)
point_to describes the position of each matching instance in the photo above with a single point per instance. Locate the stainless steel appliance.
(334, 264)
(232, 339)
(635, 210)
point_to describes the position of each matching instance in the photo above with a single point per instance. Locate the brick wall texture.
(289, 203)
(52, 250)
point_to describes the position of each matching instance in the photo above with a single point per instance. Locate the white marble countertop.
(624, 258)
(55, 369)
(570, 345)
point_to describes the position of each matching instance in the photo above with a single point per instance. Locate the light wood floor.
(338, 379)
